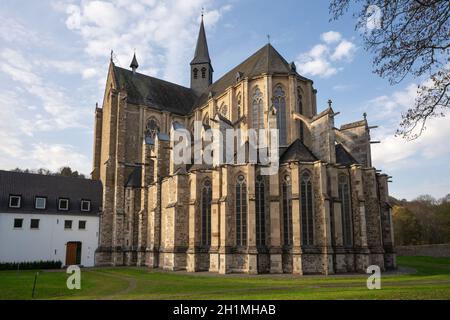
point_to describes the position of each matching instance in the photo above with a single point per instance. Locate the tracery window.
(344, 195)
(279, 103)
(260, 212)
(239, 106)
(206, 213)
(241, 211)
(152, 128)
(206, 120)
(287, 210)
(307, 209)
(257, 110)
(223, 110)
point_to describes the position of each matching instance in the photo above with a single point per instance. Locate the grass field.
(430, 281)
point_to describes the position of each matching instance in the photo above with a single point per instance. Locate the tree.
(64, 171)
(407, 229)
(408, 37)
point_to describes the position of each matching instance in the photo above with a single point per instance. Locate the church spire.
(201, 68)
(134, 64)
(201, 51)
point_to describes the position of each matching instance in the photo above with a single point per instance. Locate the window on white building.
(40, 203)
(18, 223)
(81, 225)
(63, 204)
(67, 224)
(15, 201)
(85, 205)
(34, 224)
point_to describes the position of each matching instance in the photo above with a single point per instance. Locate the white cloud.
(322, 58)
(55, 156)
(162, 32)
(395, 152)
(59, 112)
(344, 50)
(331, 36)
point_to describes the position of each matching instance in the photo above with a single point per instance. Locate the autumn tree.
(407, 37)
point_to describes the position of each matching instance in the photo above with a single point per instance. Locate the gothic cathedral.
(325, 210)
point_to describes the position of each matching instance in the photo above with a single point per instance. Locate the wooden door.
(73, 253)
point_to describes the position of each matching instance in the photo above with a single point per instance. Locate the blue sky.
(54, 57)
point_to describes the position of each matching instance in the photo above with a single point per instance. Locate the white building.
(49, 218)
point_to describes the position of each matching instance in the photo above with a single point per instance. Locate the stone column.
(359, 220)
(276, 265)
(327, 249)
(103, 255)
(194, 224)
(252, 257)
(297, 267)
(226, 214)
(216, 220)
(119, 181)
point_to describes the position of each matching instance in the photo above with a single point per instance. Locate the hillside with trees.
(424, 220)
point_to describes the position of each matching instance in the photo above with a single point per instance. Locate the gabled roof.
(30, 185)
(167, 96)
(155, 93)
(266, 60)
(343, 156)
(297, 151)
(201, 51)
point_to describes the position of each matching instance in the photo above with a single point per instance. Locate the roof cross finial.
(203, 12)
(330, 102)
(112, 54)
(268, 38)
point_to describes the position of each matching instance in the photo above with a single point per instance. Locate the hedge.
(34, 265)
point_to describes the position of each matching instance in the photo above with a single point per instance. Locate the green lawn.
(431, 281)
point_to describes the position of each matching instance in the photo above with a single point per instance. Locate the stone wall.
(432, 250)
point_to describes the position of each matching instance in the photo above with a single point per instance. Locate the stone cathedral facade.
(325, 211)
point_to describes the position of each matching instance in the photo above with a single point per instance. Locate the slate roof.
(266, 60)
(28, 186)
(134, 63)
(155, 93)
(297, 151)
(201, 50)
(343, 156)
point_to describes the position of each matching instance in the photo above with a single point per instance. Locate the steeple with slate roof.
(201, 68)
(134, 64)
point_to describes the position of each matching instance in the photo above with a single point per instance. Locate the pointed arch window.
(203, 72)
(241, 211)
(260, 212)
(152, 128)
(279, 103)
(239, 106)
(206, 120)
(344, 196)
(223, 110)
(195, 73)
(287, 210)
(206, 213)
(307, 209)
(257, 110)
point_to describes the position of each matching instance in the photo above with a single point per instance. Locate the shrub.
(32, 265)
